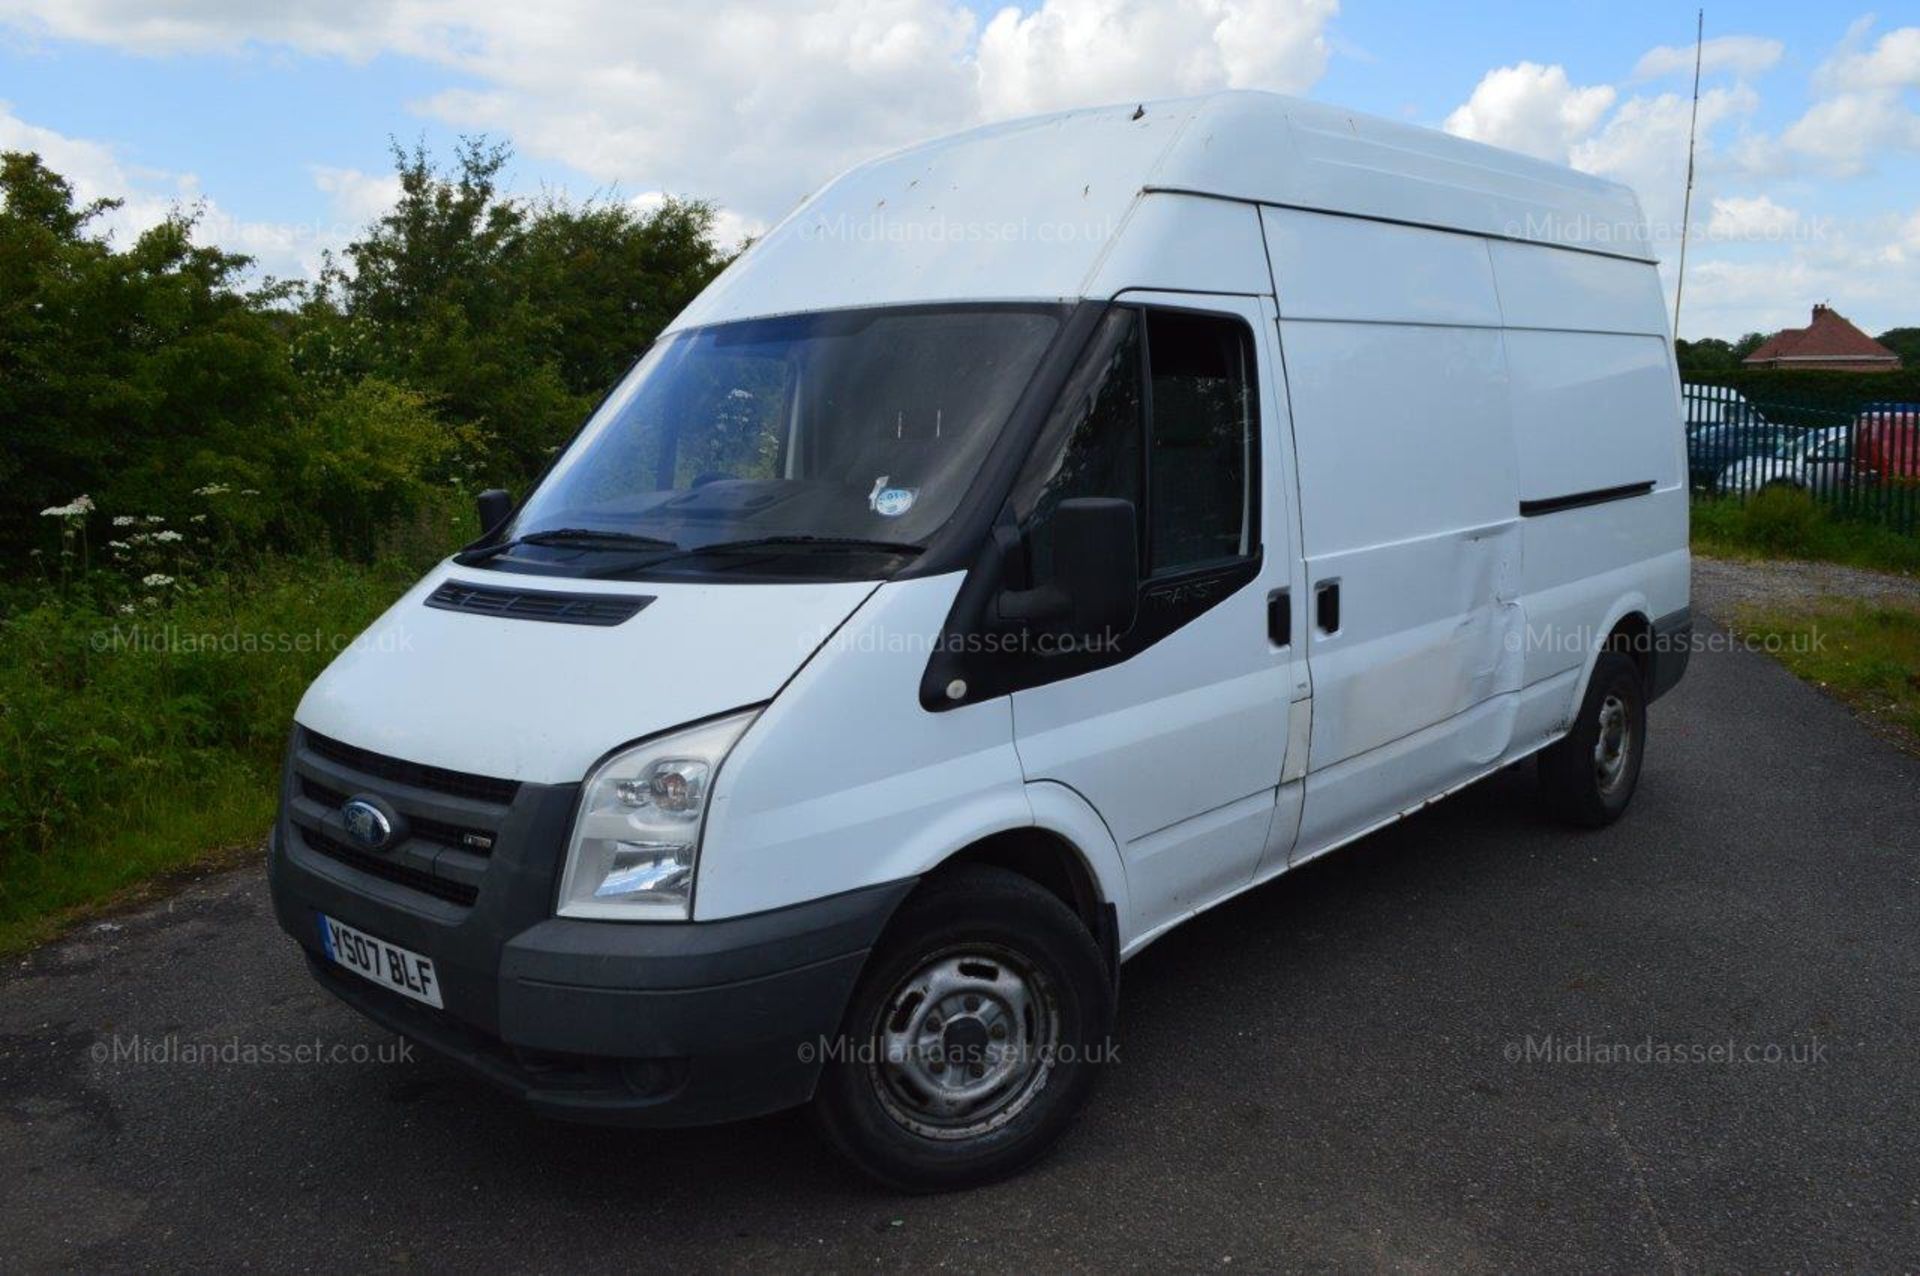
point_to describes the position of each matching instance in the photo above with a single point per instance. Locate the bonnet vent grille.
(530, 604)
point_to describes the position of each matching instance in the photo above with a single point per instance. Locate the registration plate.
(389, 965)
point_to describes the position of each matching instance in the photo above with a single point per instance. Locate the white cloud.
(1867, 268)
(1739, 54)
(1756, 217)
(147, 198)
(1861, 112)
(1073, 52)
(1530, 108)
(1843, 135)
(748, 104)
(1892, 63)
(730, 229)
(356, 197)
(1644, 144)
(349, 28)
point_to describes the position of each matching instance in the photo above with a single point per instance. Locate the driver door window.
(1162, 415)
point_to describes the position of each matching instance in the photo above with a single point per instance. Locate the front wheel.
(1588, 776)
(972, 1038)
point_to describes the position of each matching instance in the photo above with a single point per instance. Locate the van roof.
(1027, 209)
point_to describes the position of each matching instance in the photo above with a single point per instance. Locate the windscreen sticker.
(890, 502)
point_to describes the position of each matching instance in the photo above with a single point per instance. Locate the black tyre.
(973, 1037)
(1588, 777)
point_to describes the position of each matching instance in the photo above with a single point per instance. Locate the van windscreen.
(807, 432)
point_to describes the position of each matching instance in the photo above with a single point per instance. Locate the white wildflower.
(124, 520)
(126, 609)
(78, 507)
(140, 538)
(163, 538)
(198, 518)
(212, 489)
(156, 581)
(118, 545)
(151, 601)
(249, 491)
(151, 519)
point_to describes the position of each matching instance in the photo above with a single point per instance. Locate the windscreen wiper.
(832, 544)
(584, 536)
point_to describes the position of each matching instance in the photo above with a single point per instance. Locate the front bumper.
(626, 1023)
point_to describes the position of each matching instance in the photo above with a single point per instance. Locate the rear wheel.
(973, 1037)
(1589, 775)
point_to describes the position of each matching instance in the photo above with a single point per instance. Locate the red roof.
(1828, 339)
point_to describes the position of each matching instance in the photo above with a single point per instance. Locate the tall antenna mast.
(1686, 205)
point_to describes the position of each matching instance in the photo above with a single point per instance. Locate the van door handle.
(1280, 618)
(1326, 606)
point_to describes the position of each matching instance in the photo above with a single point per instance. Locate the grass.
(219, 824)
(1788, 524)
(139, 744)
(1866, 656)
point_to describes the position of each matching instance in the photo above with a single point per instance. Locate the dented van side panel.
(1466, 413)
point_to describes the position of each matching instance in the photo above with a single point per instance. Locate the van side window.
(1160, 414)
(1092, 444)
(1202, 429)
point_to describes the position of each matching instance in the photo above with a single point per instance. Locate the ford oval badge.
(368, 823)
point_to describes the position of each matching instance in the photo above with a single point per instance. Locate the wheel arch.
(1066, 851)
(1627, 624)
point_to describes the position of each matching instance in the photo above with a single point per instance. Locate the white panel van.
(1041, 536)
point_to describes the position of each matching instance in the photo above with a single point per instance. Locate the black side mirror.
(1093, 586)
(496, 506)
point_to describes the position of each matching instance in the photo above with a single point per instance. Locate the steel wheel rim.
(966, 1042)
(1613, 746)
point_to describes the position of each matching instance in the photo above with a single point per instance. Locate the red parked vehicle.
(1887, 442)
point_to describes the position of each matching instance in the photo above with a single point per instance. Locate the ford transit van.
(1039, 537)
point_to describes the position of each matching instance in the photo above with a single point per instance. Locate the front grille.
(537, 604)
(473, 841)
(481, 788)
(450, 822)
(400, 874)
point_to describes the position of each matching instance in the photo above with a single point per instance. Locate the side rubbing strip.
(1574, 500)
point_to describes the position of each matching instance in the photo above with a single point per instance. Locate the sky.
(275, 120)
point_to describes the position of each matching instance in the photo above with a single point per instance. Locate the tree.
(132, 375)
(1709, 354)
(512, 318)
(1904, 342)
(457, 342)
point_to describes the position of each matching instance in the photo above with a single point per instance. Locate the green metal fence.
(1863, 464)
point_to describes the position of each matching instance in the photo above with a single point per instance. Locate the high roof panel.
(1280, 150)
(1029, 209)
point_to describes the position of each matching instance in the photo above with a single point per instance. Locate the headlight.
(635, 840)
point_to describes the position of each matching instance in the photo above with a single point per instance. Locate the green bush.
(210, 484)
(136, 736)
(1781, 520)
(1845, 392)
(1783, 523)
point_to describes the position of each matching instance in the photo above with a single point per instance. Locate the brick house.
(1829, 343)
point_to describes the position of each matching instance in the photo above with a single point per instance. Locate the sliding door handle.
(1326, 606)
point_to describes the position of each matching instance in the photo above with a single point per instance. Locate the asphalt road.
(1330, 1073)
